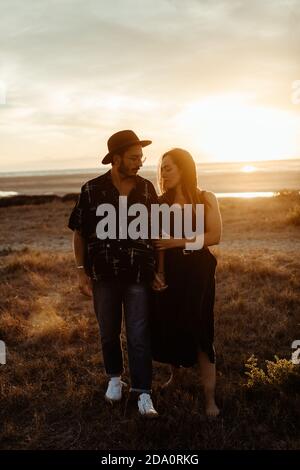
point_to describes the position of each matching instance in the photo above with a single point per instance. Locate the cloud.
(131, 63)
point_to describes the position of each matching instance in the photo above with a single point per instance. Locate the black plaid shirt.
(130, 260)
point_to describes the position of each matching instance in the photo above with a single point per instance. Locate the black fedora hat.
(119, 141)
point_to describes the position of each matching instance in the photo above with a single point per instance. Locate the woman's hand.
(159, 283)
(167, 243)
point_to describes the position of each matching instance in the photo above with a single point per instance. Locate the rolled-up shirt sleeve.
(77, 219)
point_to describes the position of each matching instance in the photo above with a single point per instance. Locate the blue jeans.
(109, 297)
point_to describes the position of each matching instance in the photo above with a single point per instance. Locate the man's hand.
(84, 283)
(159, 283)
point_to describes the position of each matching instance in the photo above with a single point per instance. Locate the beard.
(127, 172)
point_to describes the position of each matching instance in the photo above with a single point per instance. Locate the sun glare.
(229, 128)
(248, 169)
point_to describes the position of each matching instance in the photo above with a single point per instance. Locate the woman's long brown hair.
(185, 163)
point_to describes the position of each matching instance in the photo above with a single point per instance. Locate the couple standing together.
(166, 292)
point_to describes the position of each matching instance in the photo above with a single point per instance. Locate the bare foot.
(211, 409)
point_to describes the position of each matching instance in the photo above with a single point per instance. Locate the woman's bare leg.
(208, 376)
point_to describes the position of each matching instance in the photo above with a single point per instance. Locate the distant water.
(8, 193)
(214, 168)
(219, 195)
(246, 179)
(247, 195)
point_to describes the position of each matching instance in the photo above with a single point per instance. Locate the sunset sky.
(215, 77)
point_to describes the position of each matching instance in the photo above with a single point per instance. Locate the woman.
(184, 285)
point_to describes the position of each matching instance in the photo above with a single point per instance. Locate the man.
(118, 272)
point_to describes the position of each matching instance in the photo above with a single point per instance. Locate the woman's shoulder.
(207, 196)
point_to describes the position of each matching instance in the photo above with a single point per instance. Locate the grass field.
(52, 387)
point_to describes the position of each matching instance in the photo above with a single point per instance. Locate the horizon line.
(103, 167)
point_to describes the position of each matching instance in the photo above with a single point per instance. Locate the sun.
(248, 169)
(230, 128)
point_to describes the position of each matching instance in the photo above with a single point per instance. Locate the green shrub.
(282, 372)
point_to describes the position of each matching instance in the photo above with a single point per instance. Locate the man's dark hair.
(121, 152)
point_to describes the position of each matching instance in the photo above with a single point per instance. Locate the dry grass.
(293, 216)
(52, 387)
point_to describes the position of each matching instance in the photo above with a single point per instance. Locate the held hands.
(84, 283)
(159, 283)
(167, 243)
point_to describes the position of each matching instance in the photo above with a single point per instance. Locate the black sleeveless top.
(182, 320)
(168, 199)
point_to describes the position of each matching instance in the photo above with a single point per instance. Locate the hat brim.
(108, 157)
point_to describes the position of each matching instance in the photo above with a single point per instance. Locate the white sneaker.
(146, 407)
(114, 389)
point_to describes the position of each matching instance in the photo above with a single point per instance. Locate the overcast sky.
(76, 71)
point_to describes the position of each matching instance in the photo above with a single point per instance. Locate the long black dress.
(182, 316)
